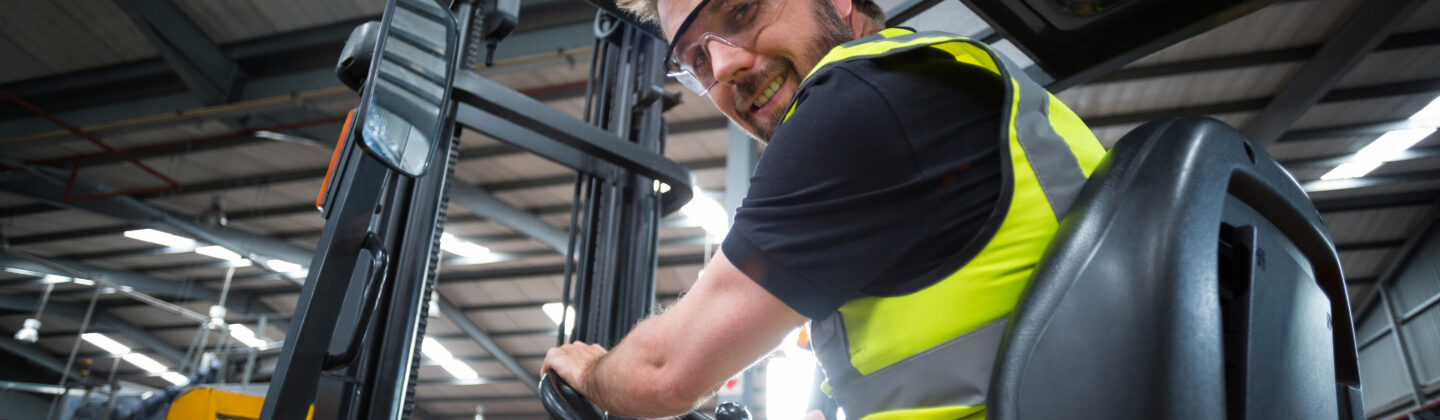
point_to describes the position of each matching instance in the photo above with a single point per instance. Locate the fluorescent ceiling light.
(53, 279)
(1429, 112)
(245, 335)
(284, 266)
(432, 349)
(144, 362)
(1388, 147)
(459, 370)
(708, 214)
(24, 272)
(174, 378)
(1392, 143)
(220, 252)
(1350, 170)
(552, 310)
(463, 248)
(162, 238)
(105, 343)
(1382, 150)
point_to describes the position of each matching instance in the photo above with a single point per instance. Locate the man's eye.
(741, 12)
(699, 60)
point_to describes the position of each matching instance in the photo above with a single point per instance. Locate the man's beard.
(832, 31)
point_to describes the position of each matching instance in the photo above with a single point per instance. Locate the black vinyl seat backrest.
(1192, 279)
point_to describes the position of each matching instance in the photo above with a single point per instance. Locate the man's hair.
(645, 10)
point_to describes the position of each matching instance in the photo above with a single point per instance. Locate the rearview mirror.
(406, 98)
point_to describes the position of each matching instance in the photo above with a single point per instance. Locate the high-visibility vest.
(929, 353)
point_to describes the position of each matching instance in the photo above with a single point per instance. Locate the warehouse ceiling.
(243, 125)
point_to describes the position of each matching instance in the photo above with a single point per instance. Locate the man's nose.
(729, 63)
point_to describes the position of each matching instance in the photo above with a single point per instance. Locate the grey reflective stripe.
(832, 350)
(953, 373)
(1049, 155)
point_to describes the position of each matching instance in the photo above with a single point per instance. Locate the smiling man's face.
(755, 82)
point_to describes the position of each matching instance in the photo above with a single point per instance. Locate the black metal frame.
(372, 209)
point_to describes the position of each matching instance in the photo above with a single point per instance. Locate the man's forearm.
(632, 382)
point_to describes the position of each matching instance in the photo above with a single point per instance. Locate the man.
(910, 185)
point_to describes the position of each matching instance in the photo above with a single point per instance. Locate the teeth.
(770, 91)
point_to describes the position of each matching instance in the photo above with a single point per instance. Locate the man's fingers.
(549, 356)
(594, 350)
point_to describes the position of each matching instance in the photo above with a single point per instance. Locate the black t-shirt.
(887, 169)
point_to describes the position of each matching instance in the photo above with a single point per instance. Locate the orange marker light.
(334, 157)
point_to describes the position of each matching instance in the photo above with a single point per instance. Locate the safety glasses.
(730, 22)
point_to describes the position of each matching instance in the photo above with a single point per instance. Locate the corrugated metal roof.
(1426, 17)
(1363, 111)
(39, 38)
(1400, 65)
(1281, 25)
(226, 21)
(1374, 225)
(1204, 88)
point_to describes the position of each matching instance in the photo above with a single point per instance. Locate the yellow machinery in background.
(214, 404)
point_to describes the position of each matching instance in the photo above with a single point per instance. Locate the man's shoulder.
(921, 74)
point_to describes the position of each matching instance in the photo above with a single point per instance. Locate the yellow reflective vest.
(929, 353)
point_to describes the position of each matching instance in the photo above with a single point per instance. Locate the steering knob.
(731, 411)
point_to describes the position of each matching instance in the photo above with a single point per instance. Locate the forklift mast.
(353, 347)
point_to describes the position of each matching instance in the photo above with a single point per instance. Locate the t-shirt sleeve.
(833, 201)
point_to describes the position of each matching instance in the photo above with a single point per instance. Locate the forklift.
(1229, 301)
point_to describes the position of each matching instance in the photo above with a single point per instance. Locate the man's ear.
(843, 8)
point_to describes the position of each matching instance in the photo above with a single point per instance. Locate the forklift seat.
(1191, 279)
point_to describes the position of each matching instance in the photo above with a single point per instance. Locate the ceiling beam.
(209, 72)
(180, 290)
(1378, 201)
(294, 209)
(45, 184)
(1424, 38)
(316, 173)
(511, 273)
(173, 291)
(100, 318)
(44, 359)
(457, 317)
(536, 304)
(66, 235)
(552, 270)
(483, 204)
(1372, 180)
(284, 87)
(1383, 90)
(1366, 27)
(1369, 245)
(333, 34)
(1374, 128)
(1414, 153)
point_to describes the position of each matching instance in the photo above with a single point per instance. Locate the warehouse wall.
(1400, 368)
(21, 405)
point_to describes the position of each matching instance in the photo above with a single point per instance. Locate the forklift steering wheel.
(564, 403)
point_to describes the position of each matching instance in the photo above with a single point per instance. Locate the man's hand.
(672, 361)
(573, 362)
